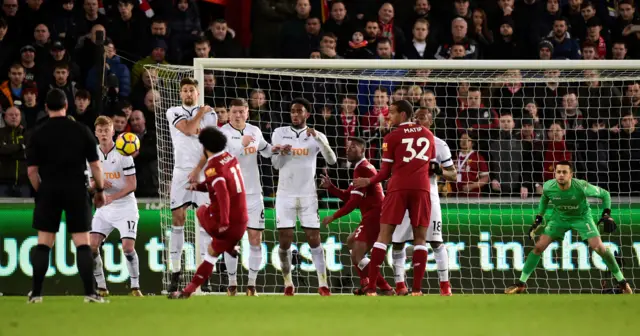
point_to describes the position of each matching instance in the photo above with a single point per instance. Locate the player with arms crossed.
(185, 122)
(406, 156)
(245, 141)
(369, 200)
(443, 165)
(224, 183)
(571, 211)
(120, 210)
(296, 197)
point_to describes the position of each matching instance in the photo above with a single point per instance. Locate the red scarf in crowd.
(387, 31)
(349, 124)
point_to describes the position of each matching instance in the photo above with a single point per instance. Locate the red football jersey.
(225, 186)
(471, 167)
(368, 199)
(409, 149)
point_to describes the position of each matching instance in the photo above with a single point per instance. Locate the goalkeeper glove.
(608, 222)
(532, 229)
(435, 168)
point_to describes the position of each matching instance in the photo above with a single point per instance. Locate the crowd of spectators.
(504, 135)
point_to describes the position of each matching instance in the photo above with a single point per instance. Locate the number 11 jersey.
(409, 149)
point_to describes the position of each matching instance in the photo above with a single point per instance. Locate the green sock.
(610, 260)
(529, 266)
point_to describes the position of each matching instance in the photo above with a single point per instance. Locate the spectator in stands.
(600, 99)
(384, 49)
(595, 153)
(632, 98)
(548, 94)
(202, 49)
(389, 28)
(510, 95)
(261, 114)
(11, 90)
(120, 123)
(358, 47)
(86, 50)
(32, 15)
(530, 111)
(545, 50)
(555, 149)
(473, 171)
(59, 55)
(91, 17)
(545, 22)
(223, 41)
(13, 165)
(422, 10)
(125, 30)
(328, 44)
(10, 14)
(42, 43)
(594, 29)
(531, 156)
(148, 108)
(461, 9)
(579, 23)
(159, 30)
(476, 119)
(64, 27)
(375, 124)
(84, 111)
(113, 66)
(589, 52)
(564, 47)
(33, 71)
(340, 25)
(185, 27)
(372, 33)
(294, 32)
(146, 159)
(481, 32)
(626, 145)
(506, 159)
(506, 45)
(223, 113)
(527, 17)
(458, 35)
(157, 56)
(618, 51)
(626, 27)
(32, 112)
(422, 46)
(269, 17)
(62, 81)
(8, 48)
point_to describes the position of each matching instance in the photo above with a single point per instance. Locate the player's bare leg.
(231, 261)
(317, 255)
(419, 258)
(255, 259)
(202, 274)
(399, 260)
(285, 238)
(442, 262)
(96, 240)
(205, 241)
(133, 265)
(530, 265)
(178, 218)
(378, 253)
(609, 259)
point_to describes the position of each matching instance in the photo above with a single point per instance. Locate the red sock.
(378, 253)
(419, 265)
(202, 274)
(363, 274)
(382, 283)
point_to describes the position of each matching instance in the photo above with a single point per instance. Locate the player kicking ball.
(406, 156)
(369, 200)
(120, 211)
(245, 141)
(571, 211)
(296, 197)
(185, 122)
(442, 164)
(225, 185)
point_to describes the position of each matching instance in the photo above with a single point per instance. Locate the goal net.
(506, 123)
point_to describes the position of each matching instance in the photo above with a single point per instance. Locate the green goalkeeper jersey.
(571, 203)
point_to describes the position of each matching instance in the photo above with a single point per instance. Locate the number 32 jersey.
(409, 149)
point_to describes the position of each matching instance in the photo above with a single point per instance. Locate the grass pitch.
(337, 315)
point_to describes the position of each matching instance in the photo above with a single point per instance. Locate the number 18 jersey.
(409, 148)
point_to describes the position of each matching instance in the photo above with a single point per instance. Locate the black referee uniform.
(60, 149)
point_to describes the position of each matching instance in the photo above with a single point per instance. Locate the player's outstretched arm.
(222, 196)
(334, 191)
(325, 148)
(190, 126)
(353, 203)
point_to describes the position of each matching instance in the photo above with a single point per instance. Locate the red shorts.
(395, 204)
(368, 230)
(221, 242)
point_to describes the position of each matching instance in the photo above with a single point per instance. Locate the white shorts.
(255, 208)
(125, 221)
(180, 196)
(404, 232)
(288, 209)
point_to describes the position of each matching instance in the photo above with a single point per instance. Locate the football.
(127, 144)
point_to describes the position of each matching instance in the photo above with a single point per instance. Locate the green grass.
(338, 315)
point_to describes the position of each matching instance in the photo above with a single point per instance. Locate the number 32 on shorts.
(413, 154)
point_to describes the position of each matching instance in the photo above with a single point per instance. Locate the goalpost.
(558, 109)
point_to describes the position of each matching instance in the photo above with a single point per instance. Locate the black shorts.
(51, 202)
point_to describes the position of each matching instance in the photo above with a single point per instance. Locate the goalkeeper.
(571, 211)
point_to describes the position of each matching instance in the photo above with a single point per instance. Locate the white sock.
(442, 261)
(285, 264)
(399, 260)
(98, 272)
(317, 255)
(175, 247)
(134, 268)
(205, 241)
(232, 268)
(255, 260)
(363, 263)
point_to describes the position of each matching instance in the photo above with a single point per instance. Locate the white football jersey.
(115, 167)
(247, 156)
(443, 157)
(187, 150)
(298, 169)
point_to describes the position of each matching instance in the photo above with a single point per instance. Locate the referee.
(57, 156)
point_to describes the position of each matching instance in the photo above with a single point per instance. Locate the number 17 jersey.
(409, 149)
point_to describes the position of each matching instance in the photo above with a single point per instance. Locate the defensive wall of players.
(485, 240)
